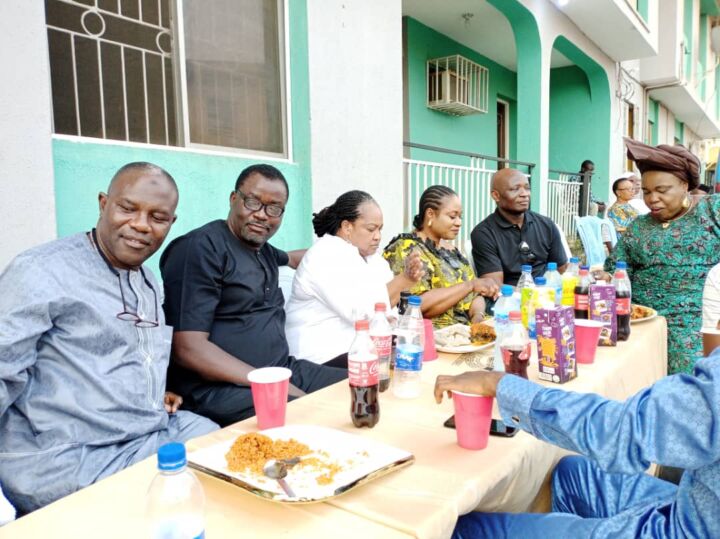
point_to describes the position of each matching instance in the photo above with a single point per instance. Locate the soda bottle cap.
(574, 260)
(552, 266)
(620, 274)
(515, 316)
(584, 267)
(361, 325)
(621, 265)
(415, 301)
(171, 456)
(506, 290)
(540, 281)
(380, 307)
(526, 268)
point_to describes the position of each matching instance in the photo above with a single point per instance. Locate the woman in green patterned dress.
(450, 292)
(670, 251)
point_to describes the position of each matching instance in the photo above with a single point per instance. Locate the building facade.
(387, 96)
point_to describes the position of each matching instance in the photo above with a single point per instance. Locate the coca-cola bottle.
(363, 377)
(582, 294)
(622, 300)
(381, 335)
(515, 346)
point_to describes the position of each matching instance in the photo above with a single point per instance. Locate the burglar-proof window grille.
(457, 86)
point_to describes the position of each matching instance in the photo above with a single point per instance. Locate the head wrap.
(676, 160)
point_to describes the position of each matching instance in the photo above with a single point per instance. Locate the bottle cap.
(574, 260)
(584, 271)
(415, 301)
(552, 266)
(621, 265)
(380, 307)
(540, 281)
(362, 325)
(585, 268)
(515, 316)
(620, 274)
(171, 456)
(506, 290)
(526, 268)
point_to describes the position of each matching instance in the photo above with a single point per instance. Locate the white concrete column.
(27, 194)
(356, 102)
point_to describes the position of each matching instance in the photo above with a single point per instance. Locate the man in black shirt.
(222, 298)
(514, 235)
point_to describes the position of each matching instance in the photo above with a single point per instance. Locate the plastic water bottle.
(554, 280)
(506, 303)
(569, 282)
(175, 500)
(525, 285)
(409, 351)
(381, 335)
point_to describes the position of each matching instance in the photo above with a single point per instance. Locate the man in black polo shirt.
(514, 235)
(222, 298)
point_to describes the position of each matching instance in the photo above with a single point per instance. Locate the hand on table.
(473, 382)
(172, 402)
(486, 287)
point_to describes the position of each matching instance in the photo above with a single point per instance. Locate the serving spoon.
(277, 469)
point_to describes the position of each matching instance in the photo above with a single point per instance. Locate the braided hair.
(431, 198)
(345, 208)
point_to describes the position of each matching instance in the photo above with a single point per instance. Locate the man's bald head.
(147, 169)
(510, 189)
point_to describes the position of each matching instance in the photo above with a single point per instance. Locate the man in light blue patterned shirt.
(84, 349)
(675, 422)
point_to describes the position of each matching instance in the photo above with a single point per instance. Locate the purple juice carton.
(555, 329)
(602, 307)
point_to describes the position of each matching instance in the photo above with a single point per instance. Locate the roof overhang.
(688, 109)
(614, 26)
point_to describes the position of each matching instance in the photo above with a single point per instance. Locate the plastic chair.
(590, 231)
(563, 239)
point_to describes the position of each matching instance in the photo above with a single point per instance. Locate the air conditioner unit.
(456, 85)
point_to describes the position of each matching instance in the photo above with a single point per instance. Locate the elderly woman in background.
(670, 251)
(340, 279)
(450, 291)
(622, 213)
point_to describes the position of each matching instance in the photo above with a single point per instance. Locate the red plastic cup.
(472, 419)
(587, 334)
(429, 351)
(269, 387)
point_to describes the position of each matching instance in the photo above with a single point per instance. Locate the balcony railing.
(468, 175)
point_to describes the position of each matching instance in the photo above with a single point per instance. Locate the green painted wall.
(703, 53)
(687, 31)
(653, 116)
(680, 131)
(571, 136)
(205, 180)
(643, 9)
(476, 133)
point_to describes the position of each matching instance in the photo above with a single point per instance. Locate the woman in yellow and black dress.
(450, 291)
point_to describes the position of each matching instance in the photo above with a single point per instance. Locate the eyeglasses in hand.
(525, 251)
(253, 204)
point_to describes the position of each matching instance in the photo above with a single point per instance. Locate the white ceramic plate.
(361, 460)
(465, 348)
(652, 315)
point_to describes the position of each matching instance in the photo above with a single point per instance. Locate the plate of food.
(329, 462)
(461, 338)
(640, 313)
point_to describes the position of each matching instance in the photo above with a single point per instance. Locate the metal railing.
(470, 180)
(568, 196)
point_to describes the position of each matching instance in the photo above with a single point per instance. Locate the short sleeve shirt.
(496, 246)
(215, 284)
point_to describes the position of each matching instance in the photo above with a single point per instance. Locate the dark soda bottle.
(381, 335)
(622, 297)
(363, 377)
(582, 293)
(515, 346)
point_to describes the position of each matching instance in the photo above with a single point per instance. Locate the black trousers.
(229, 403)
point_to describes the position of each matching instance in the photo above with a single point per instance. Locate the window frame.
(181, 93)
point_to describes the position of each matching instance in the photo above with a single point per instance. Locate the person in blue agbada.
(604, 493)
(84, 349)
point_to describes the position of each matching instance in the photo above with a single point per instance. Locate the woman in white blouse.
(711, 311)
(340, 279)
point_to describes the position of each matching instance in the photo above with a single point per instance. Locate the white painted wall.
(27, 199)
(356, 102)
(667, 66)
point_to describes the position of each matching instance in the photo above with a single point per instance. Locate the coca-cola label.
(363, 372)
(408, 357)
(581, 302)
(383, 345)
(623, 306)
